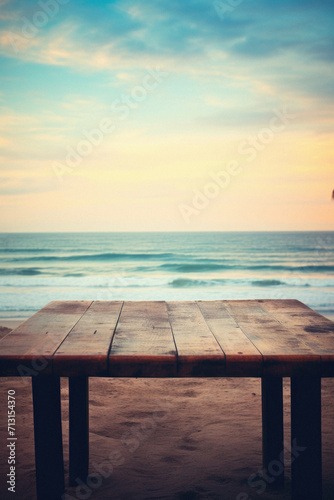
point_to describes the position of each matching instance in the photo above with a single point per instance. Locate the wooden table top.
(237, 338)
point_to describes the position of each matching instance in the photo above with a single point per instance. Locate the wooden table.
(270, 339)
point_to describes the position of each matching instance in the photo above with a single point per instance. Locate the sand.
(167, 439)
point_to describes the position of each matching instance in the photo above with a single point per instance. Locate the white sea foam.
(35, 269)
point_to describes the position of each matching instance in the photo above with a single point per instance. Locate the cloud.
(323, 49)
(116, 35)
(262, 51)
(172, 28)
(26, 185)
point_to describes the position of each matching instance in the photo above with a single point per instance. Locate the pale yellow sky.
(218, 124)
(174, 185)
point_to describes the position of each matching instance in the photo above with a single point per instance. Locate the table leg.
(306, 438)
(79, 429)
(50, 483)
(272, 429)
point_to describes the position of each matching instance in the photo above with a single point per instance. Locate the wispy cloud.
(26, 185)
(61, 75)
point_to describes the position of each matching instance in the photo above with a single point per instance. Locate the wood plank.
(213, 338)
(86, 348)
(199, 353)
(242, 357)
(283, 353)
(313, 329)
(143, 344)
(28, 349)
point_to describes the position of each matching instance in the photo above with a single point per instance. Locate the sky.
(166, 115)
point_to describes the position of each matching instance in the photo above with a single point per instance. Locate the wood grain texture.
(241, 354)
(86, 348)
(199, 353)
(143, 344)
(28, 350)
(168, 339)
(284, 354)
(310, 327)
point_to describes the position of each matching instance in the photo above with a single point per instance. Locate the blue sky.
(225, 70)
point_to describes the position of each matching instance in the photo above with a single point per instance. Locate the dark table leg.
(79, 429)
(306, 438)
(50, 483)
(272, 429)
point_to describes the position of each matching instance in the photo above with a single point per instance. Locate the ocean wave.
(320, 249)
(83, 282)
(186, 282)
(194, 267)
(295, 272)
(268, 283)
(265, 283)
(32, 278)
(75, 275)
(23, 271)
(175, 262)
(28, 250)
(109, 256)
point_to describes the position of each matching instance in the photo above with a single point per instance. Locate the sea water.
(37, 268)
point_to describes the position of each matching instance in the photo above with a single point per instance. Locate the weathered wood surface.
(310, 327)
(198, 352)
(29, 349)
(241, 354)
(283, 352)
(87, 345)
(249, 338)
(143, 343)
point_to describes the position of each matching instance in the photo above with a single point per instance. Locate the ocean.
(37, 268)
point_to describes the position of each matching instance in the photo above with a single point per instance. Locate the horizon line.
(176, 231)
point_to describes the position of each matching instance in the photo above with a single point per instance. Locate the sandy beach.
(166, 439)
